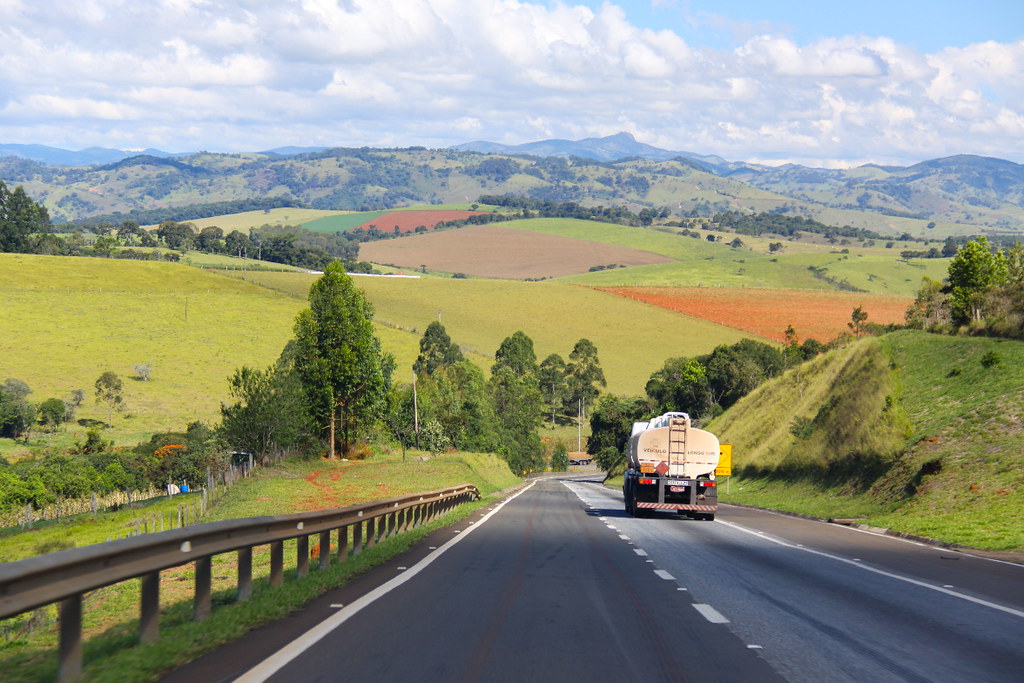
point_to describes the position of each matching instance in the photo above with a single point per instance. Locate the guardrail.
(64, 577)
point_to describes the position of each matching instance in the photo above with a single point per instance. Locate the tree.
(345, 375)
(109, 390)
(515, 391)
(436, 350)
(143, 371)
(560, 457)
(517, 354)
(20, 219)
(178, 236)
(51, 413)
(270, 413)
(972, 273)
(237, 243)
(611, 423)
(857, 320)
(680, 385)
(211, 239)
(553, 384)
(774, 247)
(584, 374)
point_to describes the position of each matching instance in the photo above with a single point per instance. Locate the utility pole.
(415, 411)
(579, 427)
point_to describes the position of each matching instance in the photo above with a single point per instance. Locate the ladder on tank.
(677, 429)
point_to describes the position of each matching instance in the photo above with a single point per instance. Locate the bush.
(991, 358)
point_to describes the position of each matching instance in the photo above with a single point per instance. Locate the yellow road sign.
(724, 468)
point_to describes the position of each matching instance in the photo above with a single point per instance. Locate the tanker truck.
(671, 467)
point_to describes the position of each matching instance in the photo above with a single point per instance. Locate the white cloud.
(252, 74)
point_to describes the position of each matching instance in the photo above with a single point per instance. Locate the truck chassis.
(695, 498)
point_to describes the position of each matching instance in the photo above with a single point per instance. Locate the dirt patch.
(408, 221)
(498, 251)
(767, 312)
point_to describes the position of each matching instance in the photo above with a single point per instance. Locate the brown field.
(408, 221)
(767, 312)
(495, 251)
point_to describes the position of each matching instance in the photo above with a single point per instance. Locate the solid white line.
(275, 662)
(711, 614)
(882, 572)
(664, 574)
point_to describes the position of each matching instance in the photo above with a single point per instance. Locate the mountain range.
(962, 194)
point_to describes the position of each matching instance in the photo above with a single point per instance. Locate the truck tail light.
(646, 481)
(708, 484)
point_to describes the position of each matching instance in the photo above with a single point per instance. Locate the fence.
(64, 577)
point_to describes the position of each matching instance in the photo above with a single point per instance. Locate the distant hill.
(62, 157)
(959, 195)
(610, 148)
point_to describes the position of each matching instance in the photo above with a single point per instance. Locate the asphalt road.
(558, 584)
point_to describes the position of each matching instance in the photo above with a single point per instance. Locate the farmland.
(767, 312)
(478, 314)
(503, 252)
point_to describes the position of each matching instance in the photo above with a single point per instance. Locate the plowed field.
(501, 252)
(408, 221)
(767, 312)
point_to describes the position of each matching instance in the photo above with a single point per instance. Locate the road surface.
(557, 584)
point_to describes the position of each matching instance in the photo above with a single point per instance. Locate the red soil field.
(408, 221)
(767, 312)
(497, 251)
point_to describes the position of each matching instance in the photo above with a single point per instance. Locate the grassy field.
(479, 314)
(110, 625)
(254, 219)
(911, 431)
(699, 263)
(65, 321)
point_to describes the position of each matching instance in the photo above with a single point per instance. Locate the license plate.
(677, 482)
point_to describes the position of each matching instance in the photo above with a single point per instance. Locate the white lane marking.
(337, 605)
(711, 614)
(882, 572)
(664, 574)
(275, 662)
(623, 537)
(680, 589)
(754, 647)
(641, 553)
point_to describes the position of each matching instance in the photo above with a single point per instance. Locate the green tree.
(345, 375)
(611, 423)
(517, 354)
(515, 391)
(436, 350)
(680, 385)
(553, 385)
(560, 457)
(178, 236)
(109, 390)
(270, 412)
(51, 413)
(20, 219)
(584, 374)
(973, 272)
(857, 320)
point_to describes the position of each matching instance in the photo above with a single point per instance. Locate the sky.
(820, 83)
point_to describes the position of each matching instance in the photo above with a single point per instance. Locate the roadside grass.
(111, 650)
(633, 339)
(911, 431)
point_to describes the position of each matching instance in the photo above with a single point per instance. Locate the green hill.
(916, 432)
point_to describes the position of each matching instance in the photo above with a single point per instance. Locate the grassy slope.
(65, 321)
(911, 432)
(633, 339)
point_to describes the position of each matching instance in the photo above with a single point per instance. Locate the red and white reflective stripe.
(676, 506)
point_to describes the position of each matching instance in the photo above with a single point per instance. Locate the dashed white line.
(641, 553)
(710, 613)
(624, 538)
(664, 574)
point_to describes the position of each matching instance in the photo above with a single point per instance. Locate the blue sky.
(928, 26)
(825, 84)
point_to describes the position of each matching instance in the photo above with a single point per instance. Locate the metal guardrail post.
(325, 549)
(357, 538)
(149, 608)
(204, 586)
(371, 532)
(70, 648)
(343, 543)
(302, 556)
(276, 563)
(244, 574)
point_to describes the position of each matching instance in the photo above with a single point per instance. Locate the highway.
(558, 584)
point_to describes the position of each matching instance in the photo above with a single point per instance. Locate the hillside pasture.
(410, 219)
(503, 252)
(246, 220)
(767, 312)
(479, 314)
